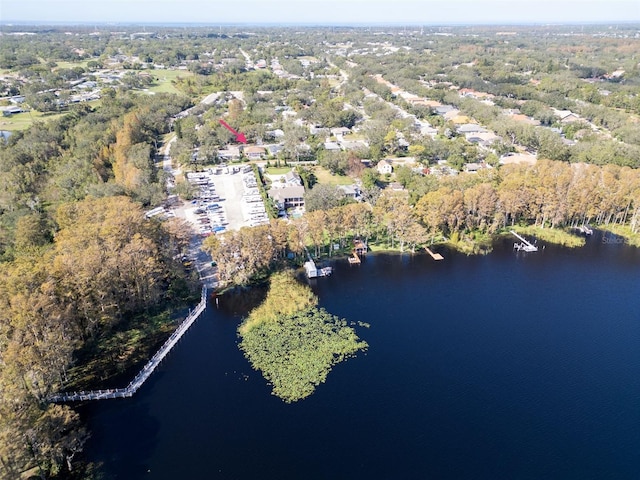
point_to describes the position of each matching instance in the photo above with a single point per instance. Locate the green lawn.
(82, 63)
(325, 176)
(22, 121)
(278, 170)
(551, 235)
(163, 78)
(623, 231)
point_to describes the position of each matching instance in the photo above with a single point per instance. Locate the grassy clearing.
(162, 80)
(625, 232)
(68, 65)
(551, 235)
(325, 176)
(22, 121)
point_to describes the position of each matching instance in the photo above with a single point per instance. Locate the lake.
(505, 366)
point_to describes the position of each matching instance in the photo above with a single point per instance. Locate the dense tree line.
(549, 194)
(249, 253)
(106, 264)
(100, 152)
(79, 260)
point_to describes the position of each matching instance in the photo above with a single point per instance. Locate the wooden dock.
(435, 256)
(525, 245)
(355, 258)
(146, 371)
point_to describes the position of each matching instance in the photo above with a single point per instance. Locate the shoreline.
(554, 236)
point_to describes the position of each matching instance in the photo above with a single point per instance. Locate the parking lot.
(228, 200)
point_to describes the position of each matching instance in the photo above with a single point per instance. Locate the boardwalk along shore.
(146, 371)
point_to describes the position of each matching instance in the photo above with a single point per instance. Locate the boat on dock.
(584, 229)
(325, 271)
(315, 272)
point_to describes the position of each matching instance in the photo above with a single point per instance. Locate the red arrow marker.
(239, 136)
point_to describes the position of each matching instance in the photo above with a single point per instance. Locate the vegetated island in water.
(292, 341)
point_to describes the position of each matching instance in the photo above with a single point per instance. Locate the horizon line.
(27, 23)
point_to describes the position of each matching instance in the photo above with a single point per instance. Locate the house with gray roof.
(288, 197)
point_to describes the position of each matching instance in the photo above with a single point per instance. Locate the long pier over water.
(146, 371)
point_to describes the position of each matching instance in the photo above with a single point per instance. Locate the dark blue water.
(506, 366)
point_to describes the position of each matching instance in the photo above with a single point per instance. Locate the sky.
(336, 12)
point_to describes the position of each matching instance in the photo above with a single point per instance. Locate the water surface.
(510, 365)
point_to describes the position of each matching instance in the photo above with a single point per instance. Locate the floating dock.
(355, 258)
(435, 256)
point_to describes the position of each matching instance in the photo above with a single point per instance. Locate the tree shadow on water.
(124, 436)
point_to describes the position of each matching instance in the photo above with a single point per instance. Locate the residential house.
(422, 102)
(332, 146)
(426, 129)
(277, 133)
(566, 116)
(17, 99)
(384, 167)
(443, 109)
(353, 145)
(456, 117)
(317, 130)
(470, 128)
(232, 152)
(483, 139)
(273, 150)
(519, 117)
(350, 191)
(8, 111)
(304, 151)
(254, 152)
(340, 131)
(472, 167)
(403, 144)
(288, 197)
